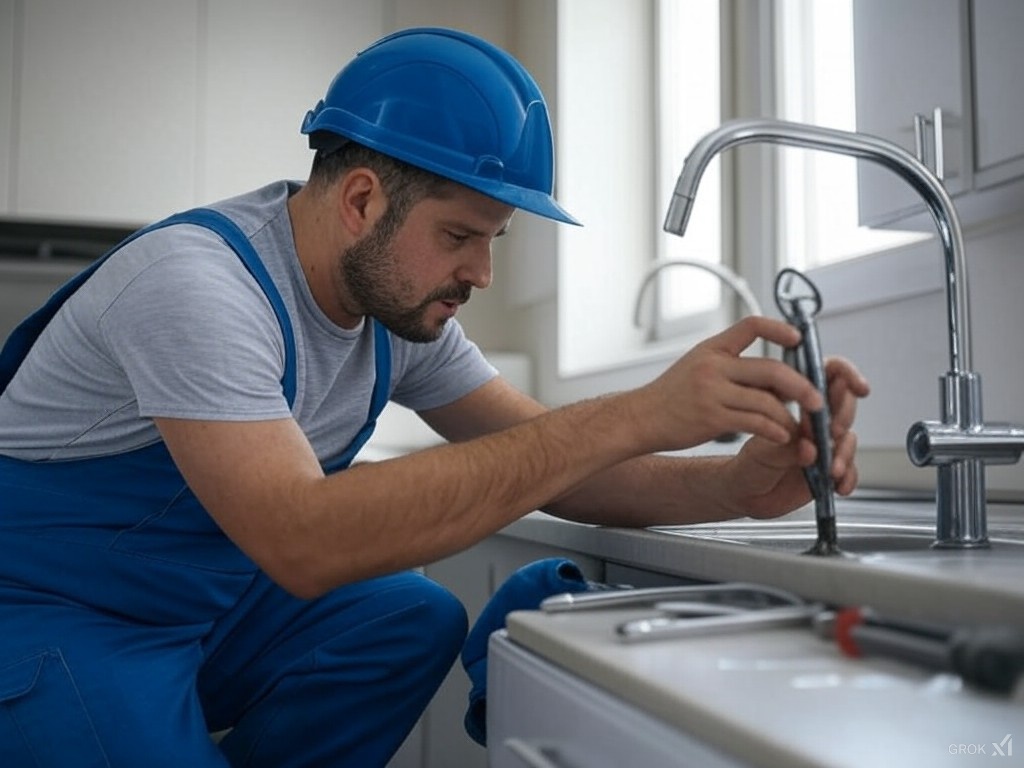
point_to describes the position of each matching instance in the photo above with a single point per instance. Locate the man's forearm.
(651, 490)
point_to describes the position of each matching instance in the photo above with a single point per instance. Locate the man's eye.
(456, 237)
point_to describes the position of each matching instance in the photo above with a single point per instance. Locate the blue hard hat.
(450, 103)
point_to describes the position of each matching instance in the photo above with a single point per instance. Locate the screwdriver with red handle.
(987, 658)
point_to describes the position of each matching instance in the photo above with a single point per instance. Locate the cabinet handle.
(935, 159)
(940, 167)
(531, 755)
(920, 121)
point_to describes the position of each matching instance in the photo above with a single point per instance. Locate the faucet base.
(958, 544)
(960, 505)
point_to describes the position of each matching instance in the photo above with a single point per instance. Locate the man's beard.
(370, 273)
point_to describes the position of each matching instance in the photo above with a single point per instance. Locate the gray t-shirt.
(173, 325)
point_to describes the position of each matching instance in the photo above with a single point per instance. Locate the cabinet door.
(107, 110)
(267, 64)
(997, 28)
(910, 57)
(540, 714)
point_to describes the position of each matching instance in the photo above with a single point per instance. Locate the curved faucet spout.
(871, 148)
(960, 445)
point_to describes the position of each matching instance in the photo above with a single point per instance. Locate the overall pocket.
(43, 721)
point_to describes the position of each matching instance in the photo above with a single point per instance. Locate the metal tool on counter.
(711, 598)
(799, 302)
(691, 611)
(665, 627)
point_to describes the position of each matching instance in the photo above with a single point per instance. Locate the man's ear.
(361, 201)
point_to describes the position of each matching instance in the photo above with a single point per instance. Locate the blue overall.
(131, 627)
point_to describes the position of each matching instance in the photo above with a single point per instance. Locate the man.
(178, 552)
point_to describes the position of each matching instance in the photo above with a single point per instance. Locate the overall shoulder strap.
(25, 334)
(379, 398)
(233, 236)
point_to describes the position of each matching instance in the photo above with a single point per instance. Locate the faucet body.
(960, 444)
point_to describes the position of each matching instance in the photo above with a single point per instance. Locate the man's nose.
(476, 267)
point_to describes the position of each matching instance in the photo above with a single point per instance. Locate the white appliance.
(547, 718)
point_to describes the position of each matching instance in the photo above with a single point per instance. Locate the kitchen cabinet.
(908, 58)
(123, 111)
(566, 720)
(939, 78)
(996, 28)
(261, 77)
(106, 110)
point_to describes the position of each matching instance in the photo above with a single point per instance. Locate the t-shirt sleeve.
(197, 338)
(439, 373)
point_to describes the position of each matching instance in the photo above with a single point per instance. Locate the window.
(689, 105)
(605, 150)
(818, 190)
(618, 157)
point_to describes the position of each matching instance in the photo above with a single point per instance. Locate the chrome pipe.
(931, 443)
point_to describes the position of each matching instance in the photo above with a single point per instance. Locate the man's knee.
(446, 615)
(435, 619)
(414, 622)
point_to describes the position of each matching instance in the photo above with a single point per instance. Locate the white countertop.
(785, 697)
(781, 697)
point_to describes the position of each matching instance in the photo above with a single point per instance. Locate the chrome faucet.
(960, 444)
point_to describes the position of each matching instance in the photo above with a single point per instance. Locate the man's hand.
(712, 390)
(768, 477)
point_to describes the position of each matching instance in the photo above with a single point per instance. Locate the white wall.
(902, 347)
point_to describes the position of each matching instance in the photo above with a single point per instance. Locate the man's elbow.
(306, 578)
(297, 573)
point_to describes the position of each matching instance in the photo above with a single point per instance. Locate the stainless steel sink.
(861, 532)
(853, 537)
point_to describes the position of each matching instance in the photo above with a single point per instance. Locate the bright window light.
(689, 103)
(819, 189)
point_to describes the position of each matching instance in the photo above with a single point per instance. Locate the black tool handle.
(990, 658)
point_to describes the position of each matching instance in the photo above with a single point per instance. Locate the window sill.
(880, 278)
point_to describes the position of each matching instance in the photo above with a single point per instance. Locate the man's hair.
(404, 184)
